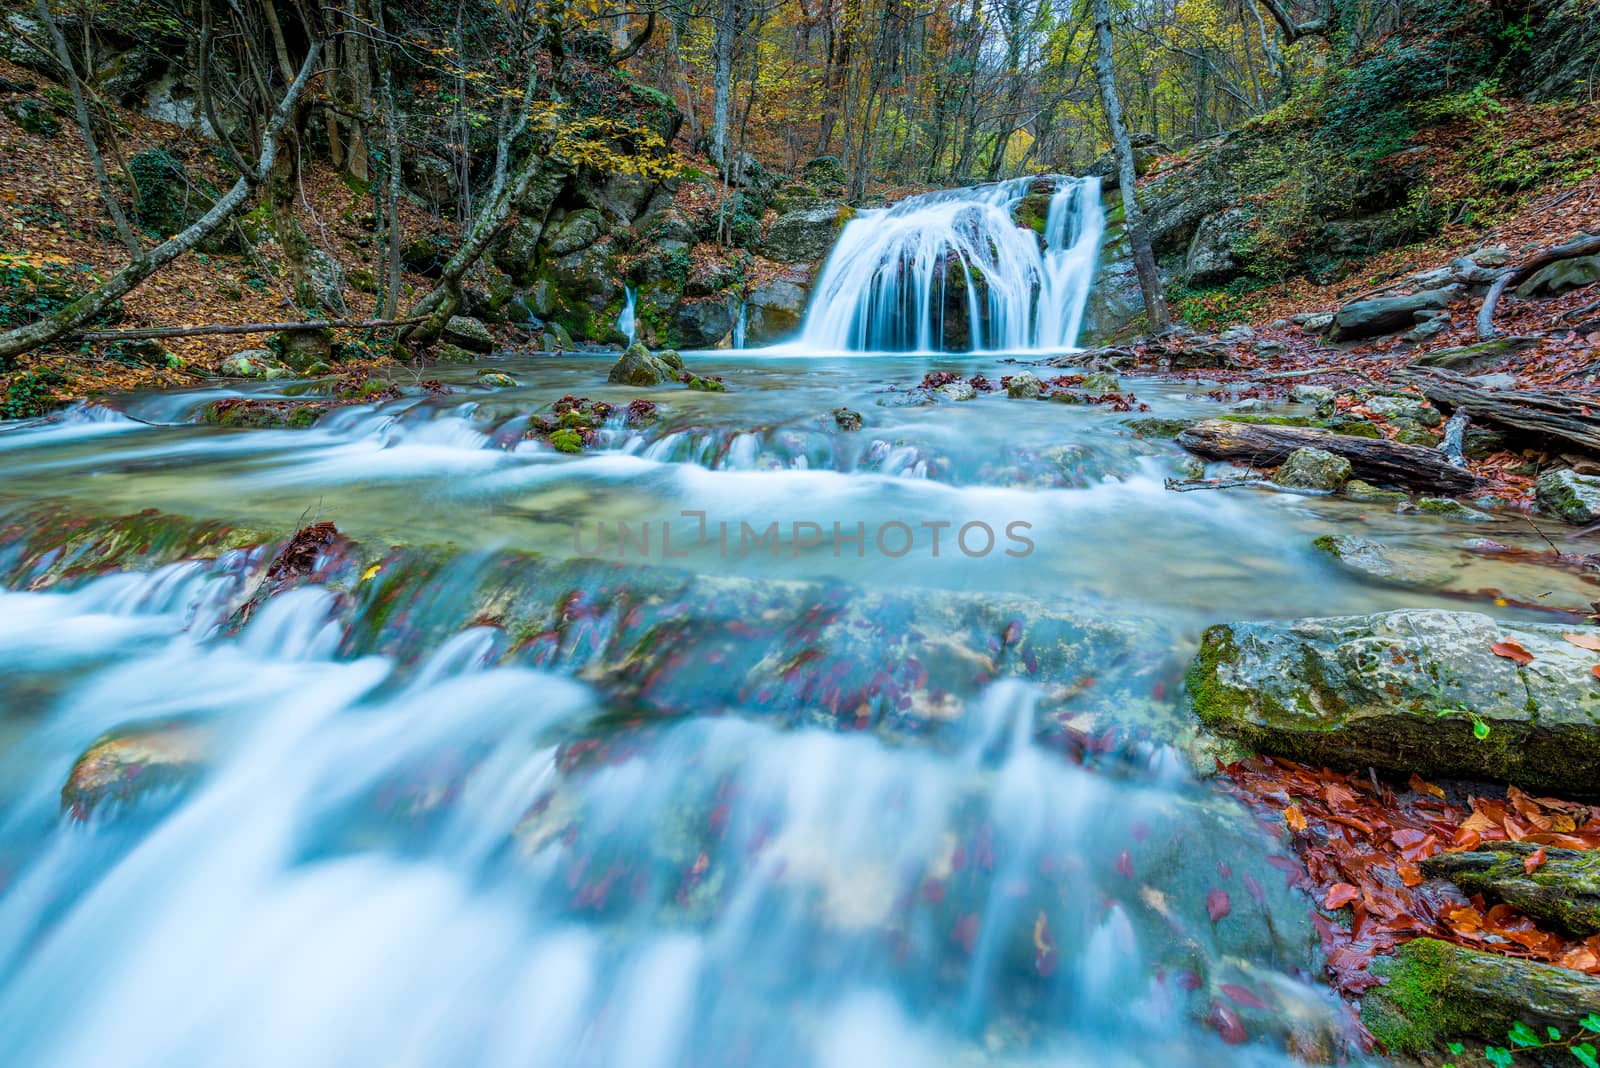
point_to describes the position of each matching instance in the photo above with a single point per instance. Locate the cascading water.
(955, 271)
(627, 322)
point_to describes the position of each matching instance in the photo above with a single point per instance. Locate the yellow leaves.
(371, 572)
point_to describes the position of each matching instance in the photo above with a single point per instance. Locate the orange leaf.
(1533, 861)
(1294, 818)
(1422, 786)
(1590, 642)
(1595, 671)
(1340, 895)
(1511, 650)
(1410, 874)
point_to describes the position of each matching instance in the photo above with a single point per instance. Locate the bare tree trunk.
(390, 303)
(97, 301)
(80, 108)
(726, 36)
(1144, 259)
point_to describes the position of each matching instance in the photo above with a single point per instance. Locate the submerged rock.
(847, 419)
(1569, 496)
(496, 379)
(124, 764)
(1406, 567)
(957, 391)
(1314, 469)
(1562, 890)
(1436, 992)
(1413, 690)
(1367, 493)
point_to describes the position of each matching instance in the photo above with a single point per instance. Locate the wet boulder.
(1560, 890)
(704, 324)
(1386, 315)
(578, 230)
(805, 235)
(1435, 993)
(1569, 496)
(774, 311)
(250, 363)
(847, 419)
(130, 762)
(1450, 694)
(638, 368)
(1024, 385)
(1313, 469)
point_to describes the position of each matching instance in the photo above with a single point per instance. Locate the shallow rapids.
(493, 784)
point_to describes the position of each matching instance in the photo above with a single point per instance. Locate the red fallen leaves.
(1227, 1023)
(1590, 642)
(1534, 861)
(1512, 650)
(1242, 996)
(1362, 846)
(1218, 904)
(1340, 895)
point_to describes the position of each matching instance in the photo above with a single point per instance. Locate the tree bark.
(1144, 259)
(1384, 462)
(95, 303)
(1586, 245)
(213, 329)
(80, 108)
(723, 41)
(1556, 416)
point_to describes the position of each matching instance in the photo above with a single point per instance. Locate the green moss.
(1276, 420)
(1407, 1011)
(566, 441)
(1219, 706)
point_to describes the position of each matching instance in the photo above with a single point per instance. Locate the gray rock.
(578, 230)
(666, 229)
(1404, 691)
(1403, 567)
(804, 236)
(1385, 315)
(446, 352)
(1419, 411)
(773, 311)
(1316, 324)
(1318, 395)
(638, 368)
(1367, 493)
(620, 197)
(847, 419)
(1024, 385)
(301, 350)
(326, 278)
(1428, 328)
(704, 324)
(1237, 333)
(1491, 256)
(248, 363)
(469, 333)
(1569, 496)
(1563, 276)
(496, 379)
(1468, 358)
(432, 178)
(1314, 469)
(1451, 508)
(1211, 259)
(1101, 382)
(957, 391)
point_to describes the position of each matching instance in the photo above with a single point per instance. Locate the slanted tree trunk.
(98, 300)
(80, 109)
(1144, 258)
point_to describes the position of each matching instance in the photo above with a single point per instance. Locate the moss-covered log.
(1562, 892)
(1383, 462)
(1435, 993)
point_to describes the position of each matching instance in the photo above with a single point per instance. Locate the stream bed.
(695, 748)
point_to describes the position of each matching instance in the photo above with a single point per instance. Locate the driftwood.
(1563, 417)
(1515, 276)
(1373, 459)
(154, 332)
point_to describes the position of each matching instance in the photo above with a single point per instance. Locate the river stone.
(1569, 496)
(496, 379)
(1404, 567)
(1024, 385)
(1316, 395)
(123, 764)
(958, 391)
(1355, 691)
(1560, 277)
(847, 419)
(803, 236)
(1404, 408)
(248, 363)
(773, 311)
(1436, 992)
(1313, 469)
(1101, 382)
(469, 333)
(1561, 892)
(446, 352)
(1385, 315)
(1316, 324)
(638, 368)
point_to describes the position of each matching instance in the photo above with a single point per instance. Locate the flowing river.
(738, 738)
(500, 790)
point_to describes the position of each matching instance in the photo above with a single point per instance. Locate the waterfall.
(627, 324)
(956, 271)
(741, 326)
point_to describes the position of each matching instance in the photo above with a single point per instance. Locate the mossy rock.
(1159, 429)
(1402, 691)
(705, 385)
(1562, 891)
(1367, 493)
(566, 440)
(1434, 993)
(243, 412)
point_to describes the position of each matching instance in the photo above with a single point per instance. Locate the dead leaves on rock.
(1363, 844)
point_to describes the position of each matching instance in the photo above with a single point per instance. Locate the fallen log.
(1585, 245)
(156, 332)
(1562, 889)
(1376, 460)
(1564, 417)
